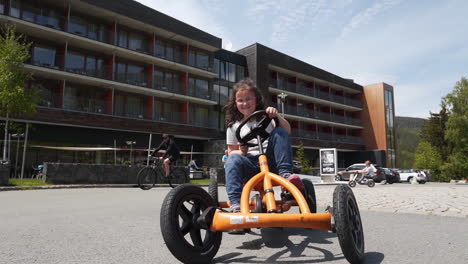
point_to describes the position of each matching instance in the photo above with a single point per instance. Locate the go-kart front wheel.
(348, 224)
(371, 183)
(310, 195)
(352, 184)
(187, 240)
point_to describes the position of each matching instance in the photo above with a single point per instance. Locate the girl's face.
(246, 102)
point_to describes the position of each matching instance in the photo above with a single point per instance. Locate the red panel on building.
(149, 75)
(149, 107)
(109, 102)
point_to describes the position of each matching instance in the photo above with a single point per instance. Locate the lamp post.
(131, 143)
(18, 136)
(282, 99)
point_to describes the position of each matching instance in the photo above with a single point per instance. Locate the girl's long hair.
(232, 113)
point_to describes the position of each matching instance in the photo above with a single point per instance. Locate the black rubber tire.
(213, 189)
(179, 227)
(422, 182)
(146, 178)
(310, 195)
(348, 224)
(352, 184)
(370, 183)
(337, 177)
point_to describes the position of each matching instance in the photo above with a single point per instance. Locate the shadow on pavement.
(279, 238)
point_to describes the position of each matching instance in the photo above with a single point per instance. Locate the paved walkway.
(442, 199)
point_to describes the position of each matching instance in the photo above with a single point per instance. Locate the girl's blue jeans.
(239, 169)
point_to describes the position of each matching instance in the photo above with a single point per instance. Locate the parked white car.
(412, 175)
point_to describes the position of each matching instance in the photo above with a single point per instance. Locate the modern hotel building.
(112, 72)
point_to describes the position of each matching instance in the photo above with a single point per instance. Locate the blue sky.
(420, 47)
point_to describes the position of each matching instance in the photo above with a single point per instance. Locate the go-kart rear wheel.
(183, 235)
(213, 189)
(352, 184)
(348, 224)
(310, 195)
(371, 183)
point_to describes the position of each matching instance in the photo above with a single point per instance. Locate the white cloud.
(366, 16)
(194, 13)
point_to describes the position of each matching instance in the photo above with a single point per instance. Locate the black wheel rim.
(188, 211)
(355, 225)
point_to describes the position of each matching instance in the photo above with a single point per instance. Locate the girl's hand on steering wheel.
(272, 112)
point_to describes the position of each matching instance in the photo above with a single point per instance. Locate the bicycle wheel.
(146, 178)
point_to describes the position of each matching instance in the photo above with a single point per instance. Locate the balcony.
(52, 28)
(205, 123)
(314, 95)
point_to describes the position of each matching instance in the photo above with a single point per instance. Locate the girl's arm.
(273, 112)
(237, 149)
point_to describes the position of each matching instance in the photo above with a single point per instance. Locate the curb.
(88, 186)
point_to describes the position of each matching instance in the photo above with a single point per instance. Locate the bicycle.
(38, 173)
(154, 173)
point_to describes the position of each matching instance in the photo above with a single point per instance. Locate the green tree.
(14, 98)
(433, 132)
(302, 159)
(428, 157)
(456, 133)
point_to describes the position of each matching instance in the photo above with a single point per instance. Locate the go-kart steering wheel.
(258, 131)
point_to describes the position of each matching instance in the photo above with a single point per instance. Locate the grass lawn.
(200, 181)
(26, 182)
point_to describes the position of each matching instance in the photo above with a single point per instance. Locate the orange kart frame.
(245, 219)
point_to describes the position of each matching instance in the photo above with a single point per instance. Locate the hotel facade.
(110, 73)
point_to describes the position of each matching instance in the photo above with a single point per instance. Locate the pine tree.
(302, 159)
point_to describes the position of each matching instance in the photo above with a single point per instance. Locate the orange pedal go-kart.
(192, 220)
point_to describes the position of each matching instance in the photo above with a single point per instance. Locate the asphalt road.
(121, 225)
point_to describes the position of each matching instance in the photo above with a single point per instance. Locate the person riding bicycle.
(172, 152)
(368, 172)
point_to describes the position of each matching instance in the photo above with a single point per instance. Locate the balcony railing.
(138, 79)
(82, 104)
(171, 117)
(103, 74)
(206, 123)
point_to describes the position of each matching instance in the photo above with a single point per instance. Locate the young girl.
(242, 162)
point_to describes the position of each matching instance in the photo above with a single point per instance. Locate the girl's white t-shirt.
(232, 140)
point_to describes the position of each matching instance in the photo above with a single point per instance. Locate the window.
(122, 37)
(199, 59)
(84, 98)
(159, 50)
(232, 72)
(77, 26)
(167, 81)
(15, 8)
(131, 74)
(2, 6)
(48, 91)
(75, 62)
(199, 88)
(200, 116)
(240, 73)
(167, 111)
(216, 67)
(44, 56)
(223, 95)
(129, 105)
(223, 70)
(137, 42)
